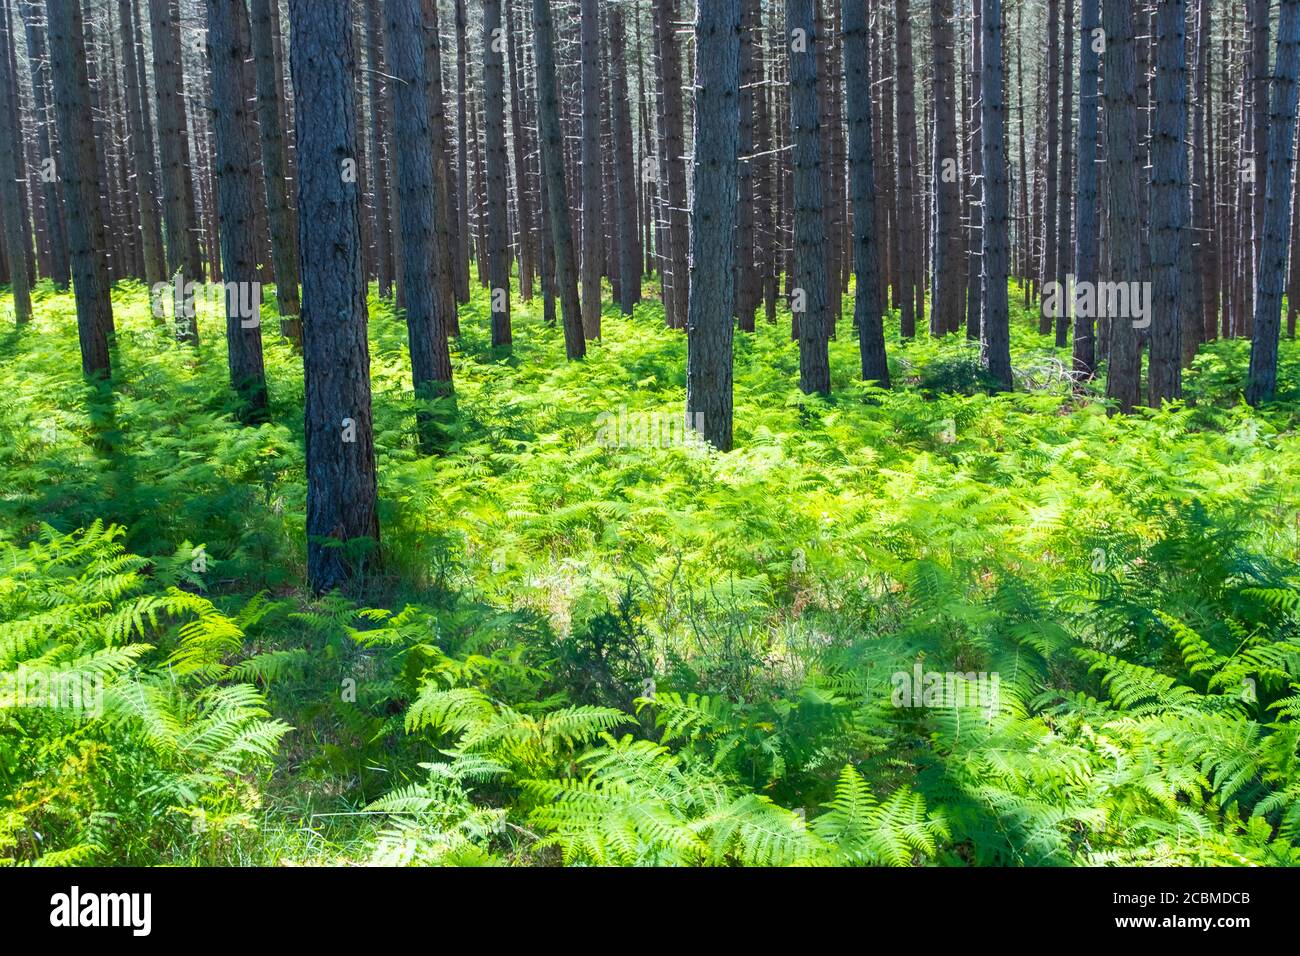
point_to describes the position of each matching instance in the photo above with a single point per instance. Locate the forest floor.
(591, 640)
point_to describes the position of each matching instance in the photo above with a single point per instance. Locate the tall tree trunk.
(672, 160)
(284, 228)
(909, 209)
(945, 175)
(228, 50)
(494, 119)
(444, 233)
(521, 148)
(1064, 219)
(15, 222)
(341, 481)
(592, 212)
(425, 325)
(1052, 171)
(1168, 213)
(1262, 380)
(78, 167)
(747, 278)
(713, 221)
(462, 153)
(868, 299)
(995, 348)
(57, 213)
(551, 144)
(1086, 251)
(155, 267)
(809, 223)
(629, 243)
(179, 222)
(1123, 379)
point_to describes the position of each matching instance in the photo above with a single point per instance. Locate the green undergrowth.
(592, 641)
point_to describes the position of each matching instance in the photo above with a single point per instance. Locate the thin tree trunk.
(494, 119)
(995, 348)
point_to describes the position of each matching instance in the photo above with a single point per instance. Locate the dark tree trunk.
(1123, 379)
(809, 223)
(521, 148)
(868, 300)
(946, 300)
(494, 119)
(284, 228)
(747, 279)
(1065, 197)
(425, 325)
(672, 162)
(629, 243)
(57, 213)
(228, 51)
(551, 144)
(78, 167)
(377, 93)
(1051, 183)
(713, 221)
(1086, 258)
(15, 222)
(591, 183)
(155, 267)
(462, 153)
(179, 222)
(1262, 381)
(341, 483)
(444, 233)
(995, 349)
(1168, 212)
(909, 209)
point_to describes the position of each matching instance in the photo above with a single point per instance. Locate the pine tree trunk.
(809, 221)
(747, 279)
(425, 325)
(629, 243)
(1065, 196)
(909, 209)
(339, 435)
(228, 51)
(1262, 380)
(78, 167)
(868, 299)
(284, 228)
(444, 233)
(377, 93)
(551, 145)
(713, 221)
(672, 161)
(1168, 214)
(995, 348)
(1123, 230)
(591, 184)
(57, 213)
(15, 222)
(494, 119)
(521, 148)
(946, 299)
(1086, 253)
(181, 229)
(155, 267)
(1052, 172)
